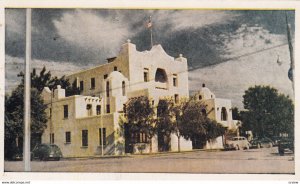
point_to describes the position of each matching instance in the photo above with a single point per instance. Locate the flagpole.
(151, 37)
(26, 147)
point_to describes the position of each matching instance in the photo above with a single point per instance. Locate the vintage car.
(261, 142)
(285, 145)
(237, 143)
(46, 152)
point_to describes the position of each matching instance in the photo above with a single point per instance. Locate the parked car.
(46, 152)
(276, 140)
(237, 143)
(284, 145)
(261, 142)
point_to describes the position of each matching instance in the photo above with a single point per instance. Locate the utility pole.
(291, 72)
(27, 86)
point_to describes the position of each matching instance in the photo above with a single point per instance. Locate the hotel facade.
(89, 124)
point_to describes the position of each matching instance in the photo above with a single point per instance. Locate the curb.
(141, 155)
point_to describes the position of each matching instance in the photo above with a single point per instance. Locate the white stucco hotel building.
(87, 124)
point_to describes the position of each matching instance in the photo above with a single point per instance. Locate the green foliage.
(44, 79)
(14, 112)
(14, 109)
(166, 121)
(184, 119)
(40, 81)
(268, 113)
(140, 116)
(197, 126)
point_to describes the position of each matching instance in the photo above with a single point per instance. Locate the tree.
(14, 111)
(197, 126)
(14, 106)
(268, 113)
(179, 125)
(140, 117)
(166, 119)
(45, 79)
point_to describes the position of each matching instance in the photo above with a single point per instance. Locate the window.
(100, 136)
(92, 83)
(107, 89)
(175, 82)
(105, 76)
(81, 86)
(84, 136)
(176, 96)
(50, 112)
(200, 97)
(98, 109)
(146, 75)
(161, 76)
(107, 108)
(52, 138)
(89, 109)
(139, 137)
(115, 68)
(123, 88)
(74, 84)
(68, 137)
(66, 112)
(223, 114)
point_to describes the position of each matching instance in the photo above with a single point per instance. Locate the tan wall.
(152, 60)
(131, 64)
(121, 62)
(219, 103)
(77, 121)
(185, 145)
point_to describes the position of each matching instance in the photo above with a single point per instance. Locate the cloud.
(91, 31)
(230, 79)
(14, 65)
(15, 21)
(191, 19)
(250, 39)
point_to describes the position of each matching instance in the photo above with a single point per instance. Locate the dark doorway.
(128, 141)
(197, 143)
(164, 142)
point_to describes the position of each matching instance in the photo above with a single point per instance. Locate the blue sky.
(227, 50)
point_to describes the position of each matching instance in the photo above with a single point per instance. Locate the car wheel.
(236, 147)
(281, 152)
(41, 158)
(247, 146)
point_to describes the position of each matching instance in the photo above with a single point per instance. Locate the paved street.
(264, 160)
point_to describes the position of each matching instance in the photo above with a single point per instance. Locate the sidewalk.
(128, 155)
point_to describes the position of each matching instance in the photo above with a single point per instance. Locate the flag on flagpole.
(149, 23)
